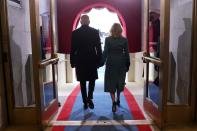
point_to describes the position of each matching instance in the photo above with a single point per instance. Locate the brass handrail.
(153, 60)
(48, 62)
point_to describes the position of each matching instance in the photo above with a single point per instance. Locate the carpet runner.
(73, 111)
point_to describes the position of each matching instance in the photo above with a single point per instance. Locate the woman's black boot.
(114, 107)
(118, 102)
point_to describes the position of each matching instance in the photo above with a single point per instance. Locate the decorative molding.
(15, 3)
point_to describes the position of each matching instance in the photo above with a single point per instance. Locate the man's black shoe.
(85, 106)
(114, 107)
(91, 104)
(118, 102)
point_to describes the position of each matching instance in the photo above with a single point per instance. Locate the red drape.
(129, 12)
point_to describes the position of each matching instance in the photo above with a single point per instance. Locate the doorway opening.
(102, 19)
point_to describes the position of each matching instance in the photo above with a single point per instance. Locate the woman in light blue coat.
(116, 57)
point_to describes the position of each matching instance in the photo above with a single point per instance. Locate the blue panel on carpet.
(154, 93)
(48, 93)
(102, 110)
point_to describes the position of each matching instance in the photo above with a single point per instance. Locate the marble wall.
(154, 4)
(21, 50)
(44, 6)
(61, 73)
(180, 50)
(136, 69)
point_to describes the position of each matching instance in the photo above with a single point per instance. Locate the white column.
(69, 70)
(131, 73)
(61, 70)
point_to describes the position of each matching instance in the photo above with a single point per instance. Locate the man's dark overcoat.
(86, 52)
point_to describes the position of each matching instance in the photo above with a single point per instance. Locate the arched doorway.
(100, 6)
(102, 16)
(102, 20)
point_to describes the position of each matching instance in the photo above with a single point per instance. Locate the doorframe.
(194, 64)
(3, 118)
(164, 55)
(159, 115)
(45, 113)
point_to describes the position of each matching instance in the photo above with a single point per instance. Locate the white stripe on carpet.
(101, 122)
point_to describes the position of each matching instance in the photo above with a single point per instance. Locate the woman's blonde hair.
(116, 30)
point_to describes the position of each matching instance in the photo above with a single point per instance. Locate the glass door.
(170, 88)
(29, 46)
(17, 62)
(48, 59)
(154, 65)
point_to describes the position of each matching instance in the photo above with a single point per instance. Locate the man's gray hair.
(85, 20)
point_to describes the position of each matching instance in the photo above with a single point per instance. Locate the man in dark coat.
(85, 56)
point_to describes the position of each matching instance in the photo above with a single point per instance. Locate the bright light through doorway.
(102, 20)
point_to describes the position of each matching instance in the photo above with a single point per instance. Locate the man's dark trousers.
(90, 90)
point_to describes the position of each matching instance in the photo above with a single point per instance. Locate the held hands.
(73, 65)
(100, 64)
(127, 66)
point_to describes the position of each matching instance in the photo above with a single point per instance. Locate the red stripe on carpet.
(133, 106)
(67, 108)
(58, 128)
(135, 110)
(68, 105)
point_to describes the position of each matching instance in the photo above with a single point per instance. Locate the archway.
(105, 10)
(101, 5)
(101, 19)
